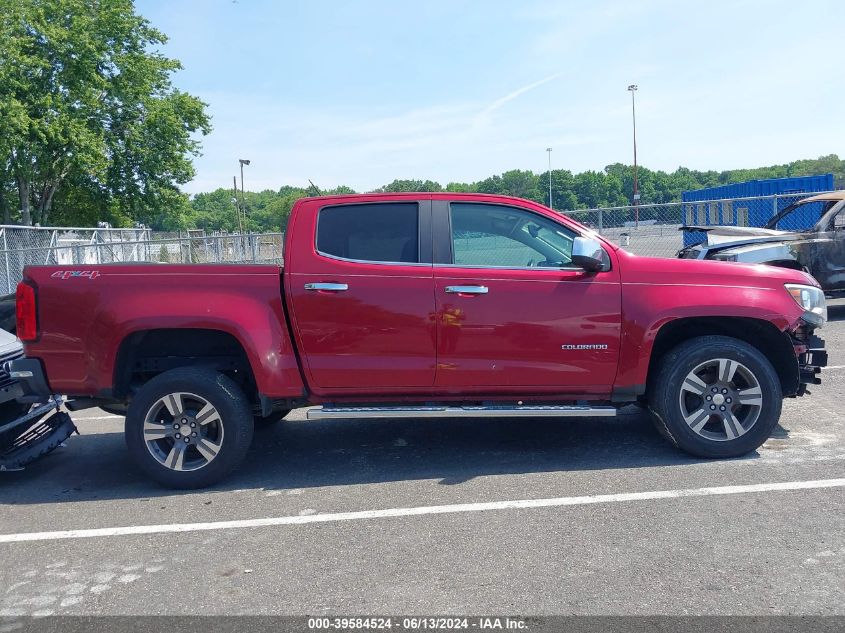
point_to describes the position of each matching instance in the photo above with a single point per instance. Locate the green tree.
(611, 187)
(85, 98)
(398, 186)
(460, 187)
(516, 182)
(214, 211)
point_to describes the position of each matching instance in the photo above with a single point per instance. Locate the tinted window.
(370, 232)
(492, 235)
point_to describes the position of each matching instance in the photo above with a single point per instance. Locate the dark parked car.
(7, 313)
(818, 250)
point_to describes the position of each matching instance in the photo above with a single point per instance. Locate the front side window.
(493, 235)
(370, 232)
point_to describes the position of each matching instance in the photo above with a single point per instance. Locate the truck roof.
(413, 194)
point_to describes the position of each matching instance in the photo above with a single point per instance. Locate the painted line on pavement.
(421, 511)
(97, 417)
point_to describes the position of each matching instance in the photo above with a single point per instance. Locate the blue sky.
(360, 93)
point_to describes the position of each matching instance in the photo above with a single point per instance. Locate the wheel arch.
(774, 344)
(145, 353)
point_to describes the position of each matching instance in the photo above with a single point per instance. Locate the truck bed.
(86, 314)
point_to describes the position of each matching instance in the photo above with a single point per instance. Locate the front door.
(512, 311)
(362, 297)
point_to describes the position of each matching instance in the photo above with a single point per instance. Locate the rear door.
(361, 293)
(513, 314)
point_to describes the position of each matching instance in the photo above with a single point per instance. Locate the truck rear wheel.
(716, 396)
(189, 427)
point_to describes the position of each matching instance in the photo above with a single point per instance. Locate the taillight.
(25, 312)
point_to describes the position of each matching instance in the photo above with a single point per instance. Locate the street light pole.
(243, 161)
(551, 204)
(633, 89)
(237, 206)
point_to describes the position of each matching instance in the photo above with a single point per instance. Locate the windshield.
(801, 216)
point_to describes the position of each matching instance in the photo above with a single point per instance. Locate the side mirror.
(588, 254)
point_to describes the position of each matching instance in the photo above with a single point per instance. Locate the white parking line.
(97, 417)
(420, 511)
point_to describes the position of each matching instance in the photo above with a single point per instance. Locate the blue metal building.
(723, 205)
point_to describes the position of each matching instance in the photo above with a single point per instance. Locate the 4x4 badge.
(68, 274)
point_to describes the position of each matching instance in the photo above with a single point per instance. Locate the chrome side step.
(331, 413)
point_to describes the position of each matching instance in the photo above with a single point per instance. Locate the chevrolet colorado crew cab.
(420, 305)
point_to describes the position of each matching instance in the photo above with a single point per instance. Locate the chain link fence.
(646, 229)
(24, 246)
(655, 229)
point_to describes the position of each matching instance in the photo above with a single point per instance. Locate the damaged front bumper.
(38, 425)
(811, 355)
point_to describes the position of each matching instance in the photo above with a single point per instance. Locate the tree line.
(268, 210)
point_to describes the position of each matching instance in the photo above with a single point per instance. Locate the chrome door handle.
(329, 287)
(467, 290)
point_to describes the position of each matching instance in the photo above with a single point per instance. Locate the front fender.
(655, 292)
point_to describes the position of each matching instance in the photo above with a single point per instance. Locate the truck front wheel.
(189, 427)
(715, 396)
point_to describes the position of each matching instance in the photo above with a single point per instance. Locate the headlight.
(812, 300)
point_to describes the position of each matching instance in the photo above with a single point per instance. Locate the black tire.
(275, 416)
(233, 422)
(667, 392)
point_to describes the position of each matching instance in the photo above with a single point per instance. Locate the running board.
(333, 413)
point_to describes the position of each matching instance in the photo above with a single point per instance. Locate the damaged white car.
(818, 250)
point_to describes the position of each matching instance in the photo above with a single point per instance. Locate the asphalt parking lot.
(699, 547)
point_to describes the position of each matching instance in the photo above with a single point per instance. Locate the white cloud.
(484, 115)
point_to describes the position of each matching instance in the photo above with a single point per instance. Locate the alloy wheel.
(183, 431)
(721, 399)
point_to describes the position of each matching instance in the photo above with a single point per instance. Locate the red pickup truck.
(420, 305)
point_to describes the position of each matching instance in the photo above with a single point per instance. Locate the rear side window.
(370, 232)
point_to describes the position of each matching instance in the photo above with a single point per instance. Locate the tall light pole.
(243, 161)
(551, 205)
(235, 201)
(633, 89)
